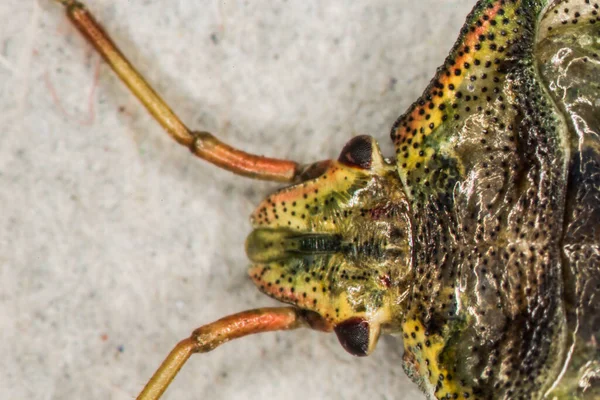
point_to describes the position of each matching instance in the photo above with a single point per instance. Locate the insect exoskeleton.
(478, 242)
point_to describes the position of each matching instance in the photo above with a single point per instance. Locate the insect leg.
(202, 144)
(208, 337)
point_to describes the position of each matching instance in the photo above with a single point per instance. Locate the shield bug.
(477, 242)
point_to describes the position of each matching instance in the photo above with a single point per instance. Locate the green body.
(480, 242)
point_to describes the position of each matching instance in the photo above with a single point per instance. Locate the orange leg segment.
(208, 337)
(202, 144)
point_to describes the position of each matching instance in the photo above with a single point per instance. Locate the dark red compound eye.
(358, 152)
(353, 335)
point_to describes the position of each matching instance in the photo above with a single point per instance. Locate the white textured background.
(115, 243)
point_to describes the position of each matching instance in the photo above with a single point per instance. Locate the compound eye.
(358, 152)
(353, 335)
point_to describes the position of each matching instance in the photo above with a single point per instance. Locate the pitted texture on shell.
(484, 156)
(568, 54)
(562, 14)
